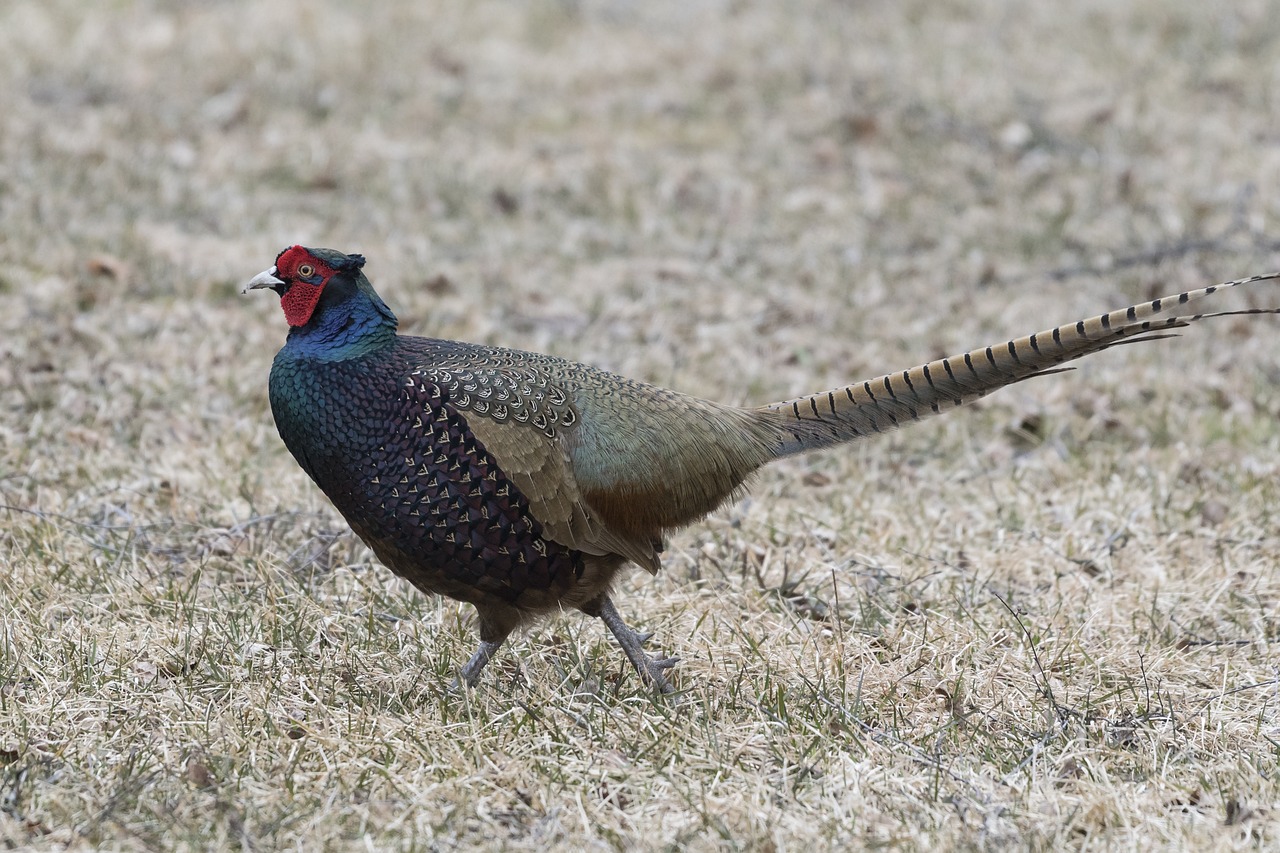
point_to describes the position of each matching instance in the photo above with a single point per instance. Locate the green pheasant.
(523, 483)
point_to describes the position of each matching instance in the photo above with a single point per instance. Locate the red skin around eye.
(299, 301)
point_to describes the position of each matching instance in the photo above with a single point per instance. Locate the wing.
(526, 421)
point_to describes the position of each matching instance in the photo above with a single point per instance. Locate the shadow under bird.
(523, 483)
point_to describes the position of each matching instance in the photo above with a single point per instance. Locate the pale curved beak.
(266, 278)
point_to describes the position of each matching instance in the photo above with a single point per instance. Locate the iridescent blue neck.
(356, 326)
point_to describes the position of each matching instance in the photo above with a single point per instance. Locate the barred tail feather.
(896, 399)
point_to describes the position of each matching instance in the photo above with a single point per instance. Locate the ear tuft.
(349, 262)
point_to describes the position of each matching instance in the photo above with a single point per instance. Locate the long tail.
(895, 399)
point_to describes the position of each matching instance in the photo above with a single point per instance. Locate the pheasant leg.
(495, 624)
(470, 672)
(632, 642)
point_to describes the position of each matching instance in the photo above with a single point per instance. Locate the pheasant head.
(327, 301)
(301, 276)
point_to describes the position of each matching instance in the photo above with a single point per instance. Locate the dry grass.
(1049, 621)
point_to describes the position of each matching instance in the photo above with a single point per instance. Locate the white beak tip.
(266, 278)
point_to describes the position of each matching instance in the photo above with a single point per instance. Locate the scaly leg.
(495, 626)
(632, 642)
(470, 672)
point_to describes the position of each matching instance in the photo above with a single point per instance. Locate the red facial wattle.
(299, 302)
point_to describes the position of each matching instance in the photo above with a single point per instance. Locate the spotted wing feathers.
(523, 419)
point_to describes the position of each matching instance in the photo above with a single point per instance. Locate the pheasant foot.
(651, 669)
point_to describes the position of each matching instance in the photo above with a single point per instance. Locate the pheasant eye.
(306, 271)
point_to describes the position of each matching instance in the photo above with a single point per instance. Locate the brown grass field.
(1047, 621)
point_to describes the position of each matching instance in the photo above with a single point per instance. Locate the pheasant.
(523, 483)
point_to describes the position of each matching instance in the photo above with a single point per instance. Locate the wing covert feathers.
(540, 468)
(886, 402)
